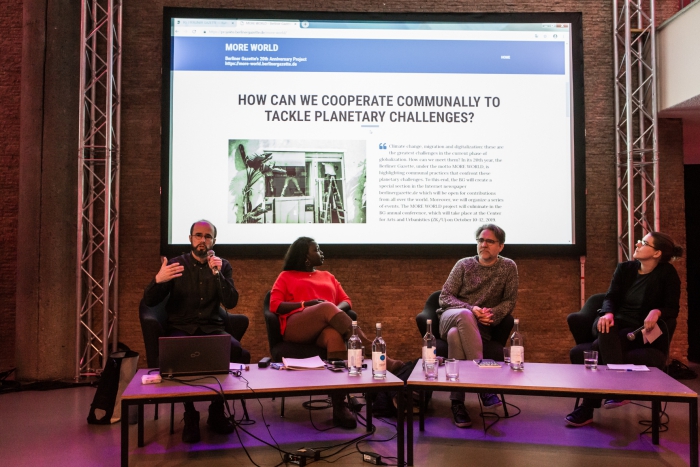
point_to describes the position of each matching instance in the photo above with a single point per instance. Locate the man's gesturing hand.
(168, 272)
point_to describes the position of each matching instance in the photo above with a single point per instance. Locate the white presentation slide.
(387, 133)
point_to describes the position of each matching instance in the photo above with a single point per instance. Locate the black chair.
(493, 348)
(154, 321)
(279, 348)
(581, 327)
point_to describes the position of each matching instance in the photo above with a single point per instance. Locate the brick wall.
(390, 290)
(10, 67)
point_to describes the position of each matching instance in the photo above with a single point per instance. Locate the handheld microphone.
(210, 253)
(633, 334)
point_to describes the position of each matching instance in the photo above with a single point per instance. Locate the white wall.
(678, 46)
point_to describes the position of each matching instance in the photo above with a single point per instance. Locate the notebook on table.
(194, 355)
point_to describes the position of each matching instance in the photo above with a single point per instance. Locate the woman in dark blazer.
(641, 292)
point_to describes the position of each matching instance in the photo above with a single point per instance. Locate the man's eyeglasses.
(488, 241)
(645, 243)
(200, 236)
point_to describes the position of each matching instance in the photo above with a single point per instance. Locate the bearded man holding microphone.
(197, 284)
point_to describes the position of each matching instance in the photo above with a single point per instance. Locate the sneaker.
(218, 421)
(354, 404)
(613, 403)
(490, 401)
(581, 416)
(460, 415)
(190, 434)
(342, 415)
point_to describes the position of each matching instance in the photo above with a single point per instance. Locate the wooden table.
(262, 383)
(556, 380)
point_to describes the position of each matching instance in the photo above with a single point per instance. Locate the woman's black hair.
(668, 248)
(295, 259)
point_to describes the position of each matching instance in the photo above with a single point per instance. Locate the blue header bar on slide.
(368, 55)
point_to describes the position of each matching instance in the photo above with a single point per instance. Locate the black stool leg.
(245, 410)
(172, 418)
(505, 406)
(282, 413)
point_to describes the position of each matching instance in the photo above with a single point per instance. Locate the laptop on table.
(194, 355)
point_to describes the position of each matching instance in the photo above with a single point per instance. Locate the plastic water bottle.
(429, 350)
(379, 355)
(355, 356)
(517, 351)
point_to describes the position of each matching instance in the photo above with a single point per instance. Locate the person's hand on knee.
(483, 315)
(605, 322)
(486, 317)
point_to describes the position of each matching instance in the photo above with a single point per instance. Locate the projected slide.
(360, 132)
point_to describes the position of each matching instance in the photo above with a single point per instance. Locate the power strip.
(295, 459)
(372, 458)
(302, 455)
(309, 453)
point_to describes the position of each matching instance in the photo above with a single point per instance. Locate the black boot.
(218, 421)
(190, 434)
(341, 414)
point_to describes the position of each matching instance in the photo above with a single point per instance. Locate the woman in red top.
(311, 304)
(311, 307)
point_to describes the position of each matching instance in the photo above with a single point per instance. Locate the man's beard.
(199, 253)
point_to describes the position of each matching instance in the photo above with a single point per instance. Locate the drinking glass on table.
(452, 369)
(590, 359)
(430, 368)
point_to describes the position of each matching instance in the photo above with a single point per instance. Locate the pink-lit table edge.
(561, 380)
(265, 382)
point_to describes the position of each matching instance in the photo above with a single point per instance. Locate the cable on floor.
(484, 415)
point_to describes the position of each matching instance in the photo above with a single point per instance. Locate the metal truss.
(98, 184)
(636, 143)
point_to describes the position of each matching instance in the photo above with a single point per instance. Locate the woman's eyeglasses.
(645, 243)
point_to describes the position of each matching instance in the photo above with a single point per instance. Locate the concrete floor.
(50, 428)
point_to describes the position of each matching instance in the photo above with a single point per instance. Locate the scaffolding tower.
(98, 184)
(636, 142)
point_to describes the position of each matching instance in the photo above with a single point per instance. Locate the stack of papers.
(627, 367)
(313, 363)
